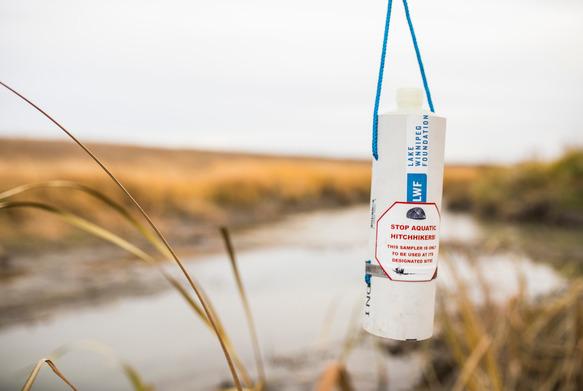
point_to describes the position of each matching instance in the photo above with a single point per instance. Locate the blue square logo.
(416, 187)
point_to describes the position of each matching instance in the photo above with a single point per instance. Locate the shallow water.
(304, 277)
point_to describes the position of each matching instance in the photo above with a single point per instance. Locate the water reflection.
(297, 273)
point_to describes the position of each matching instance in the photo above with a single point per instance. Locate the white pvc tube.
(406, 191)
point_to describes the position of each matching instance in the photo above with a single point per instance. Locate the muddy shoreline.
(38, 283)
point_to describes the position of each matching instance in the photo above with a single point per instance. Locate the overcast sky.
(294, 77)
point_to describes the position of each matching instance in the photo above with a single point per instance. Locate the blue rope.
(375, 121)
(418, 54)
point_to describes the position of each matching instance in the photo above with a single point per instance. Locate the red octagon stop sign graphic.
(407, 241)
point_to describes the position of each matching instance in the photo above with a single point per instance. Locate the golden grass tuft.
(531, 191)
(521, 344)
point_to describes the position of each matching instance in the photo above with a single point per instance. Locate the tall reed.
(36, 370)
(195, 286)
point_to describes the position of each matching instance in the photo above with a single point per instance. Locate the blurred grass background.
(517, 344)
(188, 190)
(548, 192)
(182, 188)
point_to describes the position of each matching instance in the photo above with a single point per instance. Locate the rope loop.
(375, 120)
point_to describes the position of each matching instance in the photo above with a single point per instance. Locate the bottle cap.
(409, 98)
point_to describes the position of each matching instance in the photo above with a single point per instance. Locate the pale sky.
(294, 77)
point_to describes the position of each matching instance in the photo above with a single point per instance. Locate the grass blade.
(35, 371)
(106, 235)
(334, 377)
(123, 212)
(130, 372)
(472, 363)
(248, 313)
(83, 224)
(191, 282)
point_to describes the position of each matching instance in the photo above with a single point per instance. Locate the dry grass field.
(192, 190)
(182, 189)
(189, 191)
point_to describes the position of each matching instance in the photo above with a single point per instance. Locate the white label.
(407, 241)
(418, 155)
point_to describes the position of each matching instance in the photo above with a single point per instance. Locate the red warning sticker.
(407, 241)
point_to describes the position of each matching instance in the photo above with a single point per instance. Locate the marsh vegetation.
(506, 319)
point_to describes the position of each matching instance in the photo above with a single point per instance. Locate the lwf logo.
(416, 188)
